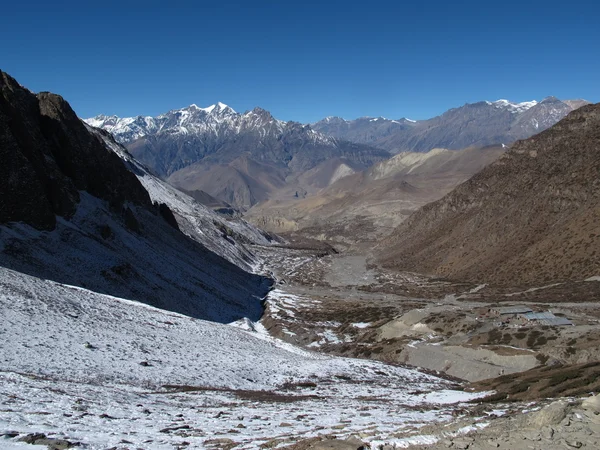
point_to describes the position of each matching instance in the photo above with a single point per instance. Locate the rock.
(547, 433)
(9, 434)
(532, 435)
(168, 215)
(462, 444)
(51, 443)
(55, 444)
(592, 403)
(355, 441)
(338, 444)
(553, 414)
(221, 443)
(169, 429)
(272, 443)
(32, 437)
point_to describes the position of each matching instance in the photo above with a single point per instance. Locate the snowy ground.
(110, 372)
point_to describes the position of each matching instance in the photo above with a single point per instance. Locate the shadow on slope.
(154, 264)
(75, 214)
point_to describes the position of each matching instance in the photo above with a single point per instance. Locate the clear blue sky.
(302, 60)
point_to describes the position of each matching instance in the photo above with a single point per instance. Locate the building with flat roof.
(510, 310)
(544, 318)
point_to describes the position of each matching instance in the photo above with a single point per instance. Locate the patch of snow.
(477, 288)
(515, 108)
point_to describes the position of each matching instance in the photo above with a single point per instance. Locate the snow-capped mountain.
(514, 108)
(238, 158)
(219, 121)
(475, 124)
(192, 119)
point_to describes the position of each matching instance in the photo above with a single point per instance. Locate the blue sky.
(302, 60)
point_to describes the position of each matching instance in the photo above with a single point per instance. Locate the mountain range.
(476, 124)
(247, 158)
(238, 158)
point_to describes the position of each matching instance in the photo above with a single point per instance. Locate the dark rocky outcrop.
(48, 156)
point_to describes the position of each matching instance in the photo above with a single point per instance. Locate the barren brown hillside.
(531, 217)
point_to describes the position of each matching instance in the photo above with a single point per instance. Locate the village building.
(543, 318)
(507, 311)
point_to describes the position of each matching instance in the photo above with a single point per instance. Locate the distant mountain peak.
(262, 113)
(550, 99)
(217, 107)
(513, 107)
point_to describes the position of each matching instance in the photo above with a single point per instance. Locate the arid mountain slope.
(366, 205)
(531, 217)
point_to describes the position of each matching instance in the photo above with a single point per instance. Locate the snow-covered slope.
(222, 236)
(158, 266)
(96, 367)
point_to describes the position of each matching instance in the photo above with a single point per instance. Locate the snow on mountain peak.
(209, 109)
(513, 107)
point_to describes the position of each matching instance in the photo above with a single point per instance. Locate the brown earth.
(529, 218)
(363, 206)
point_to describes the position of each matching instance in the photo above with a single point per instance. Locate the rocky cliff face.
(48, 157)
(531, 217)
